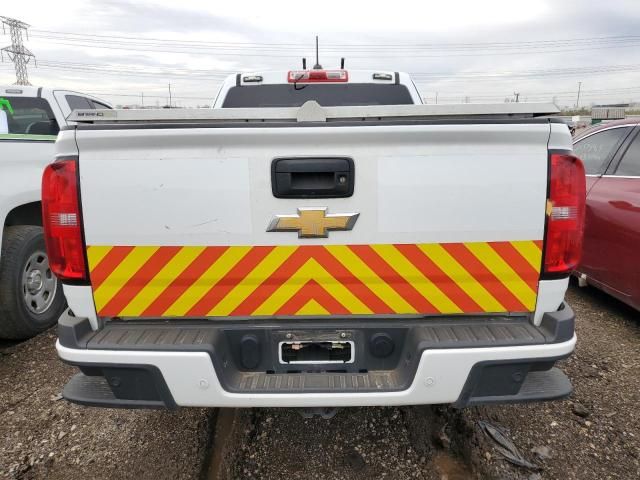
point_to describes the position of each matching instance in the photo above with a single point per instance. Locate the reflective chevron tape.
(439, 278)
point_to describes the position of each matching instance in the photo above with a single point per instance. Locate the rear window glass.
(27, 115)
(328, 95)
(630, 164)
(98, 105)
(76, 102)
(596, 150)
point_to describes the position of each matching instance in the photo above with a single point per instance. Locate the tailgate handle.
(304, 177)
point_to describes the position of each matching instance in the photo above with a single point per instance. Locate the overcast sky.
(478, 51)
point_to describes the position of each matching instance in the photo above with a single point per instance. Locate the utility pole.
(436, 98)
(517, 95)
(169, 95)
(142, 98)
(17, 52)
(578, 98)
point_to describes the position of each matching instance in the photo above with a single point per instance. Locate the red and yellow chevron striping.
(445, 278)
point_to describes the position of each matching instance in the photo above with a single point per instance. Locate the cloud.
(138, 66)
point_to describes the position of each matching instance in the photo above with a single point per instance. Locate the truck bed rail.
(312, 112)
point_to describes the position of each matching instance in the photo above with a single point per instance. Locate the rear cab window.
(327, 95)
(77, 102)
(28, 118)
(98, 105)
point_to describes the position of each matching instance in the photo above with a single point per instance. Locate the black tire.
(17, 320)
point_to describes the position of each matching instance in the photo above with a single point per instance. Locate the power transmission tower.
(17, 52)
(517, 96)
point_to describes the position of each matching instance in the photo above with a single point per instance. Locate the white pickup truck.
(316, 240)
(30, 117)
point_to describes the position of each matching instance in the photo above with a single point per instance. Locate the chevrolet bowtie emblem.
(313, 222)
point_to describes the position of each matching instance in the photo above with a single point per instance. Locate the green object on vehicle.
(6, 103)
(27, 137)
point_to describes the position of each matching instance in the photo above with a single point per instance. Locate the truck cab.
(31, 298)
(329, 88)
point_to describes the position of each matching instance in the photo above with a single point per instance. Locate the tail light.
(565, 215)
(311, 76)
(62, 221)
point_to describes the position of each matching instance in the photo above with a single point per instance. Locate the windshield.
(328, 95)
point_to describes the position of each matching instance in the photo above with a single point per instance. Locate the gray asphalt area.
(595, 434)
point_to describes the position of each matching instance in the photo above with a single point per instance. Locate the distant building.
(608, 112)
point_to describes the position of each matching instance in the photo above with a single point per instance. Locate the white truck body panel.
(21, 166)
(409, 182)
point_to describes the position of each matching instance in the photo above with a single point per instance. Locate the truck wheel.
(31, 298)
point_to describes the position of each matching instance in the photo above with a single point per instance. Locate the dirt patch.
(595, 434)
(358, 443)
(227, 436)
(43, 436)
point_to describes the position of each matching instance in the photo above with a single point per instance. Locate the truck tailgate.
(451, 220)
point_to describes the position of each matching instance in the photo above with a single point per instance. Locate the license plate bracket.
(297, 352)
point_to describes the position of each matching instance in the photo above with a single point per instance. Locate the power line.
(420, 77)
(565, 71)
(567, 92)
(289, 46)
(534, 73)
(17, 52)
(584, 93)
(145, 95)
(146, 47)
(126, 71)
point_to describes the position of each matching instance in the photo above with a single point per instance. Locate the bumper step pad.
(552, 384)
(94, 391)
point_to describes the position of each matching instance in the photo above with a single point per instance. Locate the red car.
(611, 248)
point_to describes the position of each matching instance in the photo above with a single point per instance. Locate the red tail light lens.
(62, 221)
(320, 76)
(565, 215)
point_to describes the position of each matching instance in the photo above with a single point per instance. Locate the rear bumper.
(439, 362)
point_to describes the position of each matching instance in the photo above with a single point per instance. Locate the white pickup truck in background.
(30, 118)
(316, 240)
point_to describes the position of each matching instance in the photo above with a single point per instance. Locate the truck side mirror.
(4, 123)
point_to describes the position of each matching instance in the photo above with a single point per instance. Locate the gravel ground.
(358, 443)
(42, 436)
(593, 435)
